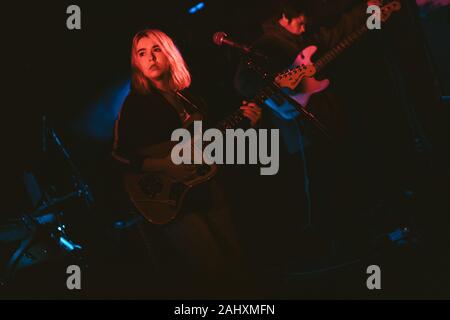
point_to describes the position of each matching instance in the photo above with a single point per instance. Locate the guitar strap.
(186, 109)
(189, 102)
(192, 112)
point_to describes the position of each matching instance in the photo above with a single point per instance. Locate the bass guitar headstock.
(292, 77)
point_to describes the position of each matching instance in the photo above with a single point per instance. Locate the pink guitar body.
(303, 91)
(308, 86)
(298, 81)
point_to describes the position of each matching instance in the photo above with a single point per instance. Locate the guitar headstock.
(292, 77)
(387, 9)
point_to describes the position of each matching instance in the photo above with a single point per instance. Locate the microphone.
(221, 38)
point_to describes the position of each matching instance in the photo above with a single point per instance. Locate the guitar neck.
(231, 121)
(237, 116)
(339, 48)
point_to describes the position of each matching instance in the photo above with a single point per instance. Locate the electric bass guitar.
(301, 85)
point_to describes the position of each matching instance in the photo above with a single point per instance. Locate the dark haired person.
(303, 189)
(289, 30)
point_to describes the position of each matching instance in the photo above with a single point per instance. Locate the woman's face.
(150, 59)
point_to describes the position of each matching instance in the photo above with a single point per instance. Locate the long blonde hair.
(180, 78)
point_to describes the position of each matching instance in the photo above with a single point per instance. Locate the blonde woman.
(202, 238)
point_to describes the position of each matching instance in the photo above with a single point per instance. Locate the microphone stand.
(308, 115)
(220, 38)
(278, 90)
(81, 187)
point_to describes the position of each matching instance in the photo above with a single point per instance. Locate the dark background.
(391, 84)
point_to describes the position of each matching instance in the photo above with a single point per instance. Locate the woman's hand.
(252, 112)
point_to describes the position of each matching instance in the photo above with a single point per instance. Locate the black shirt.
(146, 120)
(282, 47)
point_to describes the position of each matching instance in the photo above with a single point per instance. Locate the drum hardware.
(43, 232)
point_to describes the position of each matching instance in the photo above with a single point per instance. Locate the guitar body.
(158, 197)
(303, 91)
(308, 86)
(298, 81)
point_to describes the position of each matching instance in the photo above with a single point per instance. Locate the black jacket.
(282, 47)
(146, 120)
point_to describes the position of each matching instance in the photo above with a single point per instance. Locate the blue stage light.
(97, 121)
(197, 7)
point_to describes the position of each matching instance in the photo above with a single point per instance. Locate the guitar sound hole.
(151, 185)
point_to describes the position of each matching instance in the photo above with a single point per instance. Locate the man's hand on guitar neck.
(251, 111)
